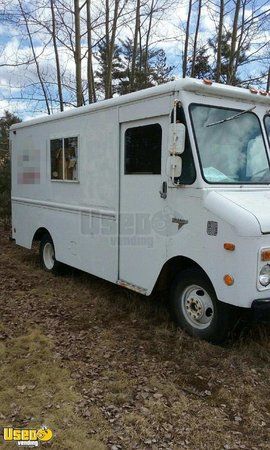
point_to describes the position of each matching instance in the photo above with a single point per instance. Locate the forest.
(56, 54)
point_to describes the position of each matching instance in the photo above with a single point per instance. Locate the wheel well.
(39, 234)
(171, 267)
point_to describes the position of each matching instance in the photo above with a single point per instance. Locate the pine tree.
(118, 68)
(159, 69)
(5, 167)
(201, 66)
(150, 68)
(239, 59)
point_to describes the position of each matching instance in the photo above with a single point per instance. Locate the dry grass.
(116, 371)
(36, 390)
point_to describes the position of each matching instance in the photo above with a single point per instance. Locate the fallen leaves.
(139, 382)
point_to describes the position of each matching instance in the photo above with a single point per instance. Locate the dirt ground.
(106, 369)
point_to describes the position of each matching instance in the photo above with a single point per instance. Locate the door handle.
(163, 192)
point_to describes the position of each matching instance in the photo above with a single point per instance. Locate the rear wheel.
(197, 310)
(47, 255)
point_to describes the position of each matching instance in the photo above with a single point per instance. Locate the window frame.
(161, 144)
(267, 116)
(198, 151)
(63, 137)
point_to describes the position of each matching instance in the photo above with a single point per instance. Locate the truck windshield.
(230, 145)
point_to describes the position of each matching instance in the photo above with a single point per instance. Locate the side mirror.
(174, 167)
(176, 148)
(177, 138)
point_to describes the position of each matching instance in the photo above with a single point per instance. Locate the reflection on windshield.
(231, 151)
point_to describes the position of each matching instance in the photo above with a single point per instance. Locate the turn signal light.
(228, 279)
(253, 90)
(229, 246)
(207, 81)
(265, 255)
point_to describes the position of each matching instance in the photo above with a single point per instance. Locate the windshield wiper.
(232, 117)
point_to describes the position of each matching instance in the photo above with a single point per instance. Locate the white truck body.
(116, 225)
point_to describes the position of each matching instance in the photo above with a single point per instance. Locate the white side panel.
(81, 240)
(146, 108)
(81, 216)
(98, 160)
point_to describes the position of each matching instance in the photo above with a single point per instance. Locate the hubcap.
(197, 307)
(48, 255)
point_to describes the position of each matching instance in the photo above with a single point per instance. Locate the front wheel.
(197, 310)
(47, 255)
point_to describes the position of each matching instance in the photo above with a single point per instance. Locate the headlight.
(264, 276)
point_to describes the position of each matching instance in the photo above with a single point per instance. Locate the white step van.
(162, 188)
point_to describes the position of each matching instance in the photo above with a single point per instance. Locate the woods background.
(55, 54)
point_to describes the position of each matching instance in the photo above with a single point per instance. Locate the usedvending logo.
(27, 437)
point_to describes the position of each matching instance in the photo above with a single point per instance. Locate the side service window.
(143, 150)
(64, 159)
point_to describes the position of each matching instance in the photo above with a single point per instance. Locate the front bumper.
(261, 310)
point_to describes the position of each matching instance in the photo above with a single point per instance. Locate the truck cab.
(227, 207)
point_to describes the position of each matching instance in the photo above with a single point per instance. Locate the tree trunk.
(78, 53)
(57, 62)
(241, 39)
(184, 68)
(42, 84)
(110, 44)
(231, 71)
(196, 38)
(90, 72)
(107, 39)
(148, 36)
(219, 42)
(135, 45)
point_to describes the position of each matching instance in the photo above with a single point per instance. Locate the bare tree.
(39, 74)
(196, 37)
(185, 55)
(135, 44)
(111, 28)
(90, 72)
(78, 53)
(57, 61)
(232, 68)
(219, 40)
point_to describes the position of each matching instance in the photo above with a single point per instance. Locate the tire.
(196, 309)
(47, 255)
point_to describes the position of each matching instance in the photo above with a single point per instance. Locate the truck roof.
(202, 87)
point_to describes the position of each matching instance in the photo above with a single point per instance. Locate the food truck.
(162, 189)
